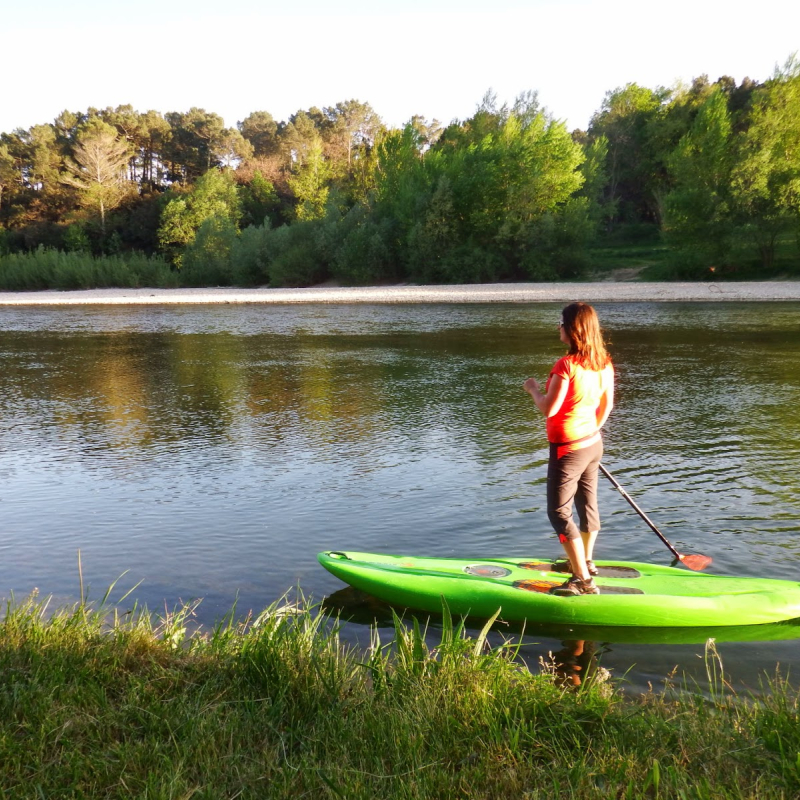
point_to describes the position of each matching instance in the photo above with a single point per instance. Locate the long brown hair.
(585, 336)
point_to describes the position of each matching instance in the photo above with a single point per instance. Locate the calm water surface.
(212, 451)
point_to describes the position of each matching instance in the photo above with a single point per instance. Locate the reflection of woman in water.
(577, 400)
(575, 663)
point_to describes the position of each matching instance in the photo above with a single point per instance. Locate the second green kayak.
(631, 593)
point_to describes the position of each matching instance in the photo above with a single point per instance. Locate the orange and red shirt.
(577, 417)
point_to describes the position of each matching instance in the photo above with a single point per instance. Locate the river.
(211, 451)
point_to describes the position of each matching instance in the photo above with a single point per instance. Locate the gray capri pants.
(573, 476)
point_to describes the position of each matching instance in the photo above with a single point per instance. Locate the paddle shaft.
(641, 513)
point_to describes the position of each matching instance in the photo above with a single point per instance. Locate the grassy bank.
(277, 707)
(613, 260)
(652, 260)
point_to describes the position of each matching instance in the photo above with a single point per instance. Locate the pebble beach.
(600, 291)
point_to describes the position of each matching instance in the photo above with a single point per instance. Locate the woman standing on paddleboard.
(577, 400)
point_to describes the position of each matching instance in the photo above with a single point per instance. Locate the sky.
(403, 57)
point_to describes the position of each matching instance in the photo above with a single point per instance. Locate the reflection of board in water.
(353, 605)
(361, 608)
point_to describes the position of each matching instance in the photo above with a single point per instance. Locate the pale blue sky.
(404, 57)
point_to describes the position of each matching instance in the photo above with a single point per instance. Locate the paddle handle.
(640, 512)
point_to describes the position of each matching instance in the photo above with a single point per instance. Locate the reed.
(99, 703)
(45, 268)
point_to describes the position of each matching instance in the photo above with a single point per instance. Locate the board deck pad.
(533, 585)
(546, 587)
(563, 566)
(604, 589)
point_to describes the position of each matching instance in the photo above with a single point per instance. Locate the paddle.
(694, 562)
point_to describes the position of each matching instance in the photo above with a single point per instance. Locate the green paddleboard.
(631, 593)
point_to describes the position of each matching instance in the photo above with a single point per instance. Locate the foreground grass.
(277, 707)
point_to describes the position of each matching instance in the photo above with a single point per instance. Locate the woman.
(577, 400)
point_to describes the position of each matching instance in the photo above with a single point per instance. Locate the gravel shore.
(630, 291)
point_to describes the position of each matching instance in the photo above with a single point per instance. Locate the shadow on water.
(573, 652)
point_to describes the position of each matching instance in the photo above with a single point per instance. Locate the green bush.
(46, 268)
(363, 253)
(249, 256)
(299, 254)
(207, 258)
(557, 244)
(76, 240)
(630, 233)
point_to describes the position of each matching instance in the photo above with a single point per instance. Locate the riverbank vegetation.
(691, 182)
(95, 703)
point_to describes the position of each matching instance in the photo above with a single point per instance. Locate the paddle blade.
(695, 562)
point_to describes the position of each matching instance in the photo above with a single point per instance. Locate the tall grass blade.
(481, 640)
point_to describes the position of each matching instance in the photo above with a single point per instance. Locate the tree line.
(710, 172)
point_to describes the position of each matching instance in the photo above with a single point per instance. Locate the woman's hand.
(549, 403)
(531, 386)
